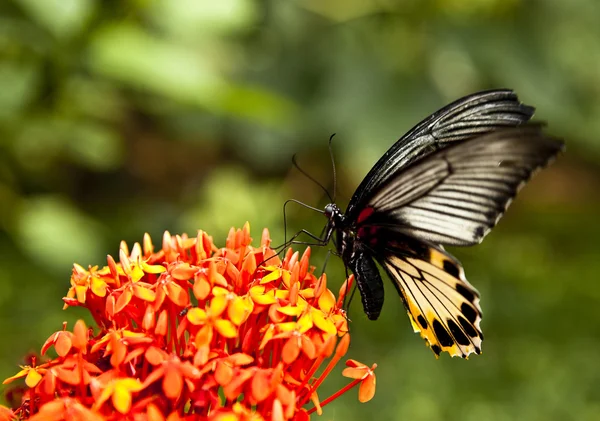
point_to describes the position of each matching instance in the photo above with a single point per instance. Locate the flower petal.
(177, 294)
(274, 275)
(172, 383)
(239, 310)
(204, 336)
(98, 286)
(33, 378)
(183, 272)
(197, 316)
(144, 294)
(121, 399)
(153, 269)
(201, 288)
(323, 322)
(226, 328)
(327, 301)
(63, 343)
(355, 373)
(223, 373)
(366, 391)
(291, 350)
(218, 305)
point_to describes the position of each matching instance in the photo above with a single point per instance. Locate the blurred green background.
(131, 116)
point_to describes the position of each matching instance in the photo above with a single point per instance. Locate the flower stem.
(336, 395)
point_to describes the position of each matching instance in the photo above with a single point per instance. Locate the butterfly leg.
(321, 240)
(318, 241)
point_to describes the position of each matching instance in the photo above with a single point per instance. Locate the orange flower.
(174, 373)
(210, 319)
(33, 375)
(121, 390)
(361, 372)
(195, 332)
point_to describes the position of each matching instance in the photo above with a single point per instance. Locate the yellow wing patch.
(442, 305)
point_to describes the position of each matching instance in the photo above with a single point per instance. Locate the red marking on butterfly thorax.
(368, 234)
(364, 214)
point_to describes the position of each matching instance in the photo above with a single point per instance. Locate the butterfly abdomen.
(368, 281)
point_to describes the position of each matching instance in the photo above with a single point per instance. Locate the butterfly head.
(336, 224)
(331, 209)
(334, 214)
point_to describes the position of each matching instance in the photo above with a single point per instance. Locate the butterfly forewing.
(455, 196)
(463, 119)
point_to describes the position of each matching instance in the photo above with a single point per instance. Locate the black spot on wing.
(467, 327)
(479, 232)
(469, 312)
(442, 334)
(458, 334)
(451, 268)
(465, 292)
(436, 349)
(422, 321)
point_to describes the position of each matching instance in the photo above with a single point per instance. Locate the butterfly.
(446, 182)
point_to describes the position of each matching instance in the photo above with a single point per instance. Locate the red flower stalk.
(194, 332)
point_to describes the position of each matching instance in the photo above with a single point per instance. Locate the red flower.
(194, 332)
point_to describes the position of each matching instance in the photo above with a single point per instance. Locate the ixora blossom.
(194, 332)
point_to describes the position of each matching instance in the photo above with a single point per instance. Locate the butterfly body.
(357, 257)
(446, 182)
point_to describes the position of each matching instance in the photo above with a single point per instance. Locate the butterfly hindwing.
(441, 304)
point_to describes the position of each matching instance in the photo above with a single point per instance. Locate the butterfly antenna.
(311, 177)
(333, 168)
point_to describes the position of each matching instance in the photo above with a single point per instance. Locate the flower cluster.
(194, 332)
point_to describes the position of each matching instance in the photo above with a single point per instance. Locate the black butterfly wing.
(457, 195)
(453, 196)
(463, 119)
